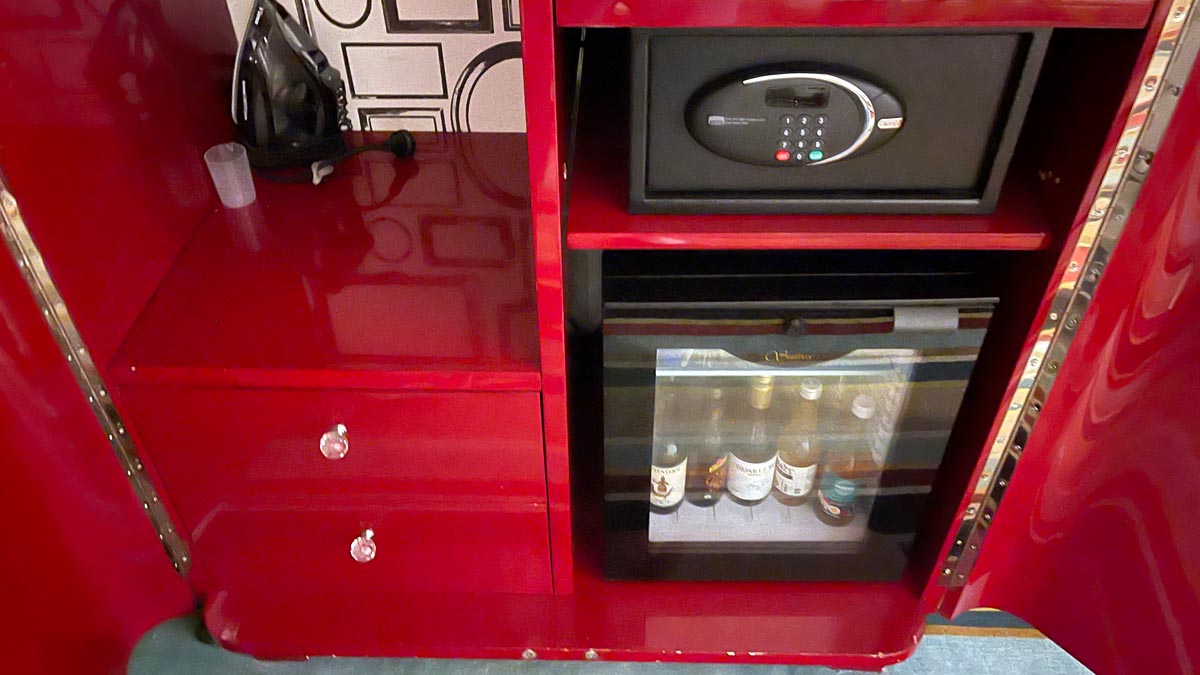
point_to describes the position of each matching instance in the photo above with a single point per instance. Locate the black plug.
(401, 143)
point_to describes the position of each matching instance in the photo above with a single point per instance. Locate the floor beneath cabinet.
(981, 643)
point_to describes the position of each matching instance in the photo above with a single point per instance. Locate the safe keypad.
(801, 138)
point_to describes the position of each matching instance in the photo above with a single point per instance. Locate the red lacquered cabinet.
(364, 417)
(269, 444)
(265, 504)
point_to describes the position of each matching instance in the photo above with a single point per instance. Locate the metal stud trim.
(54, 311)
(1174, 55)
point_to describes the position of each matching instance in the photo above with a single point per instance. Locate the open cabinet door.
(1097, 540)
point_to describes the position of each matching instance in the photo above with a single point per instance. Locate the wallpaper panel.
(422, 65)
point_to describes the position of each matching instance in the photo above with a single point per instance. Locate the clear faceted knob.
(362, 549)
(334, 443)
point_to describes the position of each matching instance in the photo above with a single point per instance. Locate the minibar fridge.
(780, 415)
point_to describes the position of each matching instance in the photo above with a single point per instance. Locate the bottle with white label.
(668, 478)
(668, 464)
(752, 463)
(799, 448)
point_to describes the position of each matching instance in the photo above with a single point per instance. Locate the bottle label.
(829, 507)
(667, 483)
(837, 495)
(794, 481)
(714, 479)
(749, 480)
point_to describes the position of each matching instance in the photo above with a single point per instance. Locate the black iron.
(289, 103)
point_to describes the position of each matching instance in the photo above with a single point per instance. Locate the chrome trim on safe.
(868, 107)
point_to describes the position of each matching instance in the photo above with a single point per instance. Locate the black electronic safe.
(830, 122)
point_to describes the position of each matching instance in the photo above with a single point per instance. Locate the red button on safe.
(783, 155)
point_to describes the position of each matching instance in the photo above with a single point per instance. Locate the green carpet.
(172, 649)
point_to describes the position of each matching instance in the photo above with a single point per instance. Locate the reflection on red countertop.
(413, 273)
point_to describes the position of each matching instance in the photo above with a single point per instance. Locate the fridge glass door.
(803, 467)
(797, 444)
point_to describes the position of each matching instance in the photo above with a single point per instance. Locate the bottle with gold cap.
(752, 463)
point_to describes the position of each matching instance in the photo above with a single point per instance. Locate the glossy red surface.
(756, 13)
(1074, 59)
(387, 275)
(218, 450)
(599, 219)
(862, 626)
(109, 105)
(274, 624)
(546, 108)
(1075, 119)
(1095, 543)
(85, 573)
(86, 86)
(452, 485)
(276, 565)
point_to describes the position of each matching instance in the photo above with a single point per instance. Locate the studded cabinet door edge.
(1153, 107)
(54, 311)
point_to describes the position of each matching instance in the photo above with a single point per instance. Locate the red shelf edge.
(667, 238)
(598, 219)
(826, 13)
(361, 379)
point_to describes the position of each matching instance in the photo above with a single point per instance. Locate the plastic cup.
(230, 171)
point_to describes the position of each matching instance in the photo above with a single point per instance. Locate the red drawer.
(214, 449)
(302, 547)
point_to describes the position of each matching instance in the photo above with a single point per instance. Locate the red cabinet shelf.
(838, 13)
(858, 626)
(598, 218)
(387, 275)
(865, 626)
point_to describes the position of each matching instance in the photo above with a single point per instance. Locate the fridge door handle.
(925, 319)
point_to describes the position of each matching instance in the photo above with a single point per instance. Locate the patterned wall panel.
(423, 65)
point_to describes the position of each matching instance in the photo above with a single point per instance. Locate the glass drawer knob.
(334, 443)
(362, 549)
